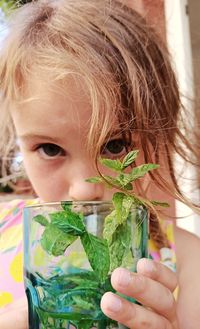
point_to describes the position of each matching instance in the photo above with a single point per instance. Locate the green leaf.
(66, 205)
(161, 204)
(140, 171)
(54, 241)
(129, 159)
(120, 245)
(136, 173)
(116, 165)
(84, 280)
(82, 303)
(6, 5)
(122, 204)
(122, 179)
(95, 180)
(109, 181)
(41, 220)
(97, 253)
(110, 225)
(112, 181)
(128, 187)
(68, 221)
(83, 324)
(128, 261)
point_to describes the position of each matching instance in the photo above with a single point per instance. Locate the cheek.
(32, 170)
(46, 183)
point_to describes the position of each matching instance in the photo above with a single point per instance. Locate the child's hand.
(153, 287)
(15, 315)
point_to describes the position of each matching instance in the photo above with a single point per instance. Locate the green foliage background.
(5, 5)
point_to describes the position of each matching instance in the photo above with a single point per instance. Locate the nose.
(83, 191)
(80, 190)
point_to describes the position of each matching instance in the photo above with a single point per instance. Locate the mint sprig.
(124, 180)
(120, 222)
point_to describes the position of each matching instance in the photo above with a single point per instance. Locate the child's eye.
(115, 147)
(49, 150)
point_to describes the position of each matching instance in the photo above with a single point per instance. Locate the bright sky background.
(2, 26)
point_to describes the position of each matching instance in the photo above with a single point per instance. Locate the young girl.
(81, 79)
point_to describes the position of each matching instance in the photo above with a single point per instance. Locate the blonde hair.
(124, 64)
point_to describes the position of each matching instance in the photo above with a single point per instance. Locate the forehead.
(51, 103)
(41, 86)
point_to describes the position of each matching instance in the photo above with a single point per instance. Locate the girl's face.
(52, 131)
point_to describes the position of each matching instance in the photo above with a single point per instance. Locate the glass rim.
(58, 203)
(79, 203)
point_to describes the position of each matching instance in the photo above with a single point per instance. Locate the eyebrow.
(27, 137)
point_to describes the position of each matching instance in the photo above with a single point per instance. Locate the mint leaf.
(128, 187)
(83, 324)
(112, 181)
(82, 303)
(129, 159)
(159, 203)
(128, 260)
(68, 221)
(54, 241)
(117, 182)
(66, 205)
(140, 171)
(125, 180)
(97, 253)
(116, 165)
(110, 226)
(120, 245)
(94, 180)
(81, 280)
(122, 204)
(41, 220)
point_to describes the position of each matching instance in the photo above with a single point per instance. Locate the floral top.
(11, 267)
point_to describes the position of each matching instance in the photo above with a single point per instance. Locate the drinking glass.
(70, 251)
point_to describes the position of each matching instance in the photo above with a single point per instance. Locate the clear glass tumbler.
(70, 251)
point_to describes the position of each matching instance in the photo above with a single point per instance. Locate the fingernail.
(123, 277)
(115, 303)
(149, 266)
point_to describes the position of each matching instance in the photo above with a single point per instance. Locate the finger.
(131, 315)
(146, 291)
(157, 272)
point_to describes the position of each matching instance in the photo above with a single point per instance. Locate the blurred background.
(177, 21)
